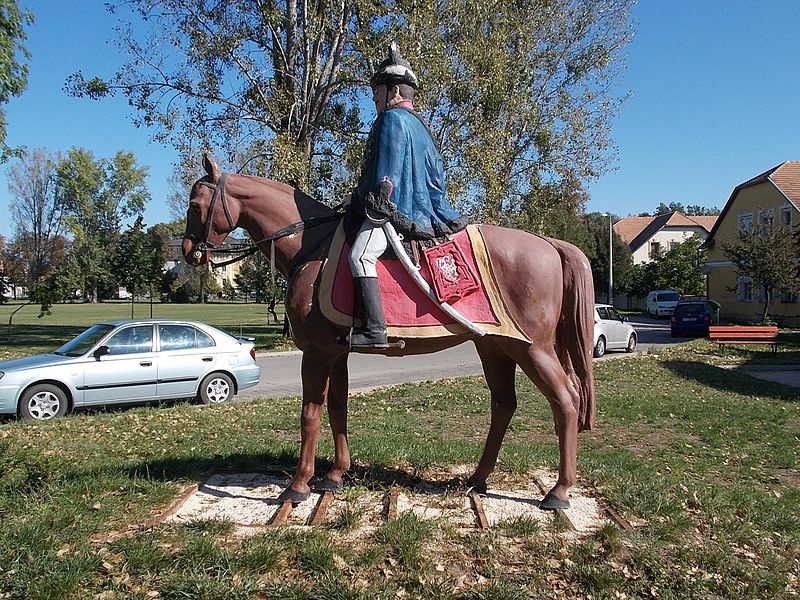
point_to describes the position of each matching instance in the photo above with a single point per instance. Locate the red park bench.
(744, 334)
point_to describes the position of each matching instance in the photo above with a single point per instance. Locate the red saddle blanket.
(464, 279)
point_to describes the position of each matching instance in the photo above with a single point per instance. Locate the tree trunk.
(767, 295)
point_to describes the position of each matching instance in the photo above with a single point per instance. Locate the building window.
(762, 295)
(746, 221)
(655, 249)
(673, 245)
(765, 220)
(745, 287)
(786, 217)
(788, 296)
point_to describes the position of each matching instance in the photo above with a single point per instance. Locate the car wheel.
(600, 347)
(631, 344)
(216, 389)
(42, 402)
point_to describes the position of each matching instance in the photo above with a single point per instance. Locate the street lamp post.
(610, 260)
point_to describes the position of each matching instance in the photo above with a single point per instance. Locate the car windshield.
(690, 308)
(84, 342)
(668, 297)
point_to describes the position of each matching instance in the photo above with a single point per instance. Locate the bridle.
(206, 245)
(219, 193)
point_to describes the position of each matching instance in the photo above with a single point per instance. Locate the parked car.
(612, 331)
(129, 361)
(693, 317)
(661, 303)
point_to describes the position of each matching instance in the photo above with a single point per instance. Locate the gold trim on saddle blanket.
(507, 327)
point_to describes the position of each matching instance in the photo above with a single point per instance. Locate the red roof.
(635, 231)
(785, 177)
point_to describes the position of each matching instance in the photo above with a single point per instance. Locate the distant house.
(175, 261)
(647, 236)
(774, 194)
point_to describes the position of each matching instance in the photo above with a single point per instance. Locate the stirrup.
(365, 338)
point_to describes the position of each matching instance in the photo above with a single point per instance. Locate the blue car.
(693, 317)
(129, 361)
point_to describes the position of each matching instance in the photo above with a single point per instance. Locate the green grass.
(30, 334)
(706, 462)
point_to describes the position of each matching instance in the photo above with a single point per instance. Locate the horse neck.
(269, 206)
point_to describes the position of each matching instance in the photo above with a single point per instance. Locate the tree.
(13, 54)
(36, 212)
(596, 250)
(767, 254)
(253, 77)
(134, 260)
(97, 195)
(255, 276)
(680, 269)
(693, 210)
(5, 286)
(519, 94)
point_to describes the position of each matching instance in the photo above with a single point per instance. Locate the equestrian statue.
(401, 272)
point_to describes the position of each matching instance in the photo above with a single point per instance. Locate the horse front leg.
(315, 372)
(337, 415)
(498, 370)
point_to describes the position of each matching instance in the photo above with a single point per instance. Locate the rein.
(219, 193)
(281, 233)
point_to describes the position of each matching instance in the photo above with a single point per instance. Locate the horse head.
(211, 215)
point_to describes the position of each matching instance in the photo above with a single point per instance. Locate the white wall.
(664, 237)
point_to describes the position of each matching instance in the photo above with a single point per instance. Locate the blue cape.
(401, 148)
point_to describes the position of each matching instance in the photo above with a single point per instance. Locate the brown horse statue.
(545, 283)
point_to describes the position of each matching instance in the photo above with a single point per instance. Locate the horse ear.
(211, 167)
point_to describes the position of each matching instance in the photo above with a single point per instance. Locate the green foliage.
(518, 94)
(139, 257)
(13, 54)
(693, 210)
(255, 276)
(680, 269)
(96, 196)
(767, 254)
(596, 249)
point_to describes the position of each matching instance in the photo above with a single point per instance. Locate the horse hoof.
(329, 485)
(289, 495)
(478, 489)
(551, 502)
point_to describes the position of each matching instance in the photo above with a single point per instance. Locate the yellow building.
(774, 194)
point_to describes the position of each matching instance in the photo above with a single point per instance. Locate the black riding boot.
(373, 333)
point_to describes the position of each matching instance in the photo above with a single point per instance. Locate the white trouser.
(369, 244)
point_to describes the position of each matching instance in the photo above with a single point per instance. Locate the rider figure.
(402, 180)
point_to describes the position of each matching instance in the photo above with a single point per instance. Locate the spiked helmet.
(394, 70)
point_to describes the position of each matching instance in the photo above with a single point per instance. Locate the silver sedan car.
(129, 361)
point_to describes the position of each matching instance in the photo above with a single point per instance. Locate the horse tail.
(575, 331)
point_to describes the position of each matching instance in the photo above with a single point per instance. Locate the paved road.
(280, 375)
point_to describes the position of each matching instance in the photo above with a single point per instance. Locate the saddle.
(458, 270)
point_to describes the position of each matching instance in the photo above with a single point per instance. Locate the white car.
(612, 331)
(661, 303)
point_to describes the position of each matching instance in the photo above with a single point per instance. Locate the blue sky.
(714, 93)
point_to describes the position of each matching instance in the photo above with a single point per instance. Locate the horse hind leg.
(498, 370)
(542, 366)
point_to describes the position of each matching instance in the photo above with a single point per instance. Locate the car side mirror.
(101, 351)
